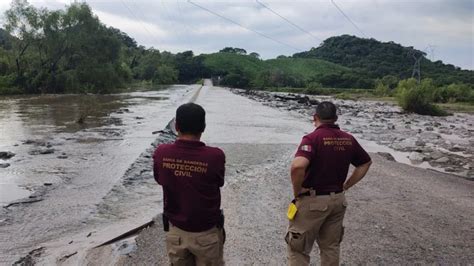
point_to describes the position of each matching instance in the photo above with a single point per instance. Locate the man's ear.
(315, 118)
(176, 126)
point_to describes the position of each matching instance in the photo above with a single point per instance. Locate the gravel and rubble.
(444, 143)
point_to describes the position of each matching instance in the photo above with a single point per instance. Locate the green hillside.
(308, 68)
(242, 70)
(377, 59)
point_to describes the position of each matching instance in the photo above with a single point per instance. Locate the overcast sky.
(445, 28)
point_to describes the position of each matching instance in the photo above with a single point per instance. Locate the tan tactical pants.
(189, 248)
(319, 218)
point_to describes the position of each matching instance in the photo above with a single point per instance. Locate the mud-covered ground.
(399, 214)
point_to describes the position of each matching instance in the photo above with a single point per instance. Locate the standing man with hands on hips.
(318, 176)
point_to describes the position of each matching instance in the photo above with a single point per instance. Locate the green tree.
(165, 75)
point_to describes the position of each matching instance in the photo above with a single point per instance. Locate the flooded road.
(105, 188)
(397, 215)
(65, 165)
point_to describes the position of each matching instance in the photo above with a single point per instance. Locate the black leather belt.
(319, 193)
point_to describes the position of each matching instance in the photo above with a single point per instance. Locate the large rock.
(416, 157)
(442, 160)
(5, 155)
(457, 148)
(4, 165)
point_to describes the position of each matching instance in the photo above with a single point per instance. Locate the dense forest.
(71, 51)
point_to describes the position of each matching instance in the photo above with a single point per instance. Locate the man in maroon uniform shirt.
(318, 175)
(191, 175)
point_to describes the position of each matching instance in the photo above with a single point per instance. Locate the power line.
(140, 21)
(289, 21)
(242, 26)
(347, 17)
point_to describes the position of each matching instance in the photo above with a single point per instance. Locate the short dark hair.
(326, 111)
(191, 119)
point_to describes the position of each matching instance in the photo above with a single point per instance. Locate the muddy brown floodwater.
(69, 151)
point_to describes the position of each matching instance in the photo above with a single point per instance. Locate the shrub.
(416, 98)
(453, 93)
(314, 85)
(382, 89)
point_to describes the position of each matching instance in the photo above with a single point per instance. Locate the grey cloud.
(176, 25)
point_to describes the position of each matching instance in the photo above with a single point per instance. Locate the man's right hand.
(359, 173)
(298, 170)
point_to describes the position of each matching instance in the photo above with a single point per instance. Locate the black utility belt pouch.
(166, 222)
(221, 221)
(220, 225)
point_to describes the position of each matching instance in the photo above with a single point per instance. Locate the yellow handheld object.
(291, 210)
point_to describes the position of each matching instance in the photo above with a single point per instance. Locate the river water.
(66, 165)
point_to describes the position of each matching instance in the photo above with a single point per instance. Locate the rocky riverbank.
(442, 143)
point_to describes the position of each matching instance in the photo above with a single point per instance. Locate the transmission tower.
(417, 66)
(430, 50)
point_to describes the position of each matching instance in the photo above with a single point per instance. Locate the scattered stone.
(48, 184)
(70, 242)
(445, 131)
(450, 170)
(4, 165)
(457, 148)
(303, 100)
(442, 160)
(429, 129)
(420, 143)
(416, 157)
(62, 157)
(89, 234)
(348, 122)
(41, 151)
(67, 256)
(386, 156)
(313, 102)
(139, 117)
(5, 155)
(30, 259)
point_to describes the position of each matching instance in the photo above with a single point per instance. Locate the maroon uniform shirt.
(191, 175)
(330, 151)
